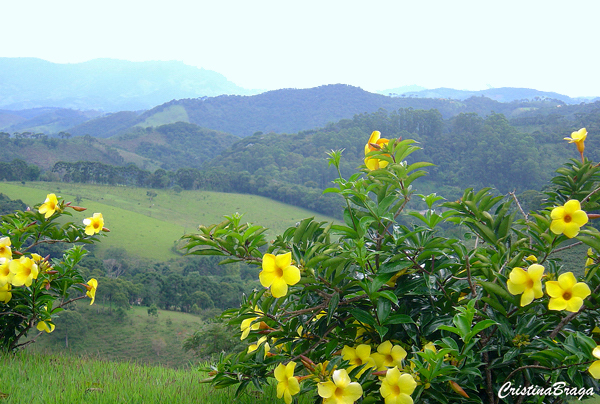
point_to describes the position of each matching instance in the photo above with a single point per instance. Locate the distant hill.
(105, 84)
(503, 94)
(43, 120)
(288, 111)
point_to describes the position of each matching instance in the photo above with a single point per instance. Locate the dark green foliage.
(8, 205)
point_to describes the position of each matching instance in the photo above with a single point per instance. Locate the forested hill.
(293, 110)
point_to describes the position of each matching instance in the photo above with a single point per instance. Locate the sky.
(376, 45)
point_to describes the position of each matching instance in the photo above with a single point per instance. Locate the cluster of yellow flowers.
(18, 272)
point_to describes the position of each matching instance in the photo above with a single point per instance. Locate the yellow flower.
(287, 385)
(5, 293)
(44, 326)
(568, 219)
(93, 224)
(388, 355)
(91, 287)
(529, 283)
(49, 206)
(359, 356)
(340, 390)
(375, 143)
(566, 293)
(254, 347)
(5, 274)
(278, 272)
(397, 387)
(247, 325)
(5, 248)
(430, 346)
(595, 367)
(589, 260)
(578, 138)
(23, 270)
(531, 258)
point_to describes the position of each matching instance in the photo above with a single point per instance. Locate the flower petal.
(279, 288)
(557, 304)
(341, 378)
(352, 392)
(567, 280)
(595, 370)
(283, 260)
(553, 289)
(326, 389)
(580, 217)
(581, 290)
(291, 275)
(574, 304)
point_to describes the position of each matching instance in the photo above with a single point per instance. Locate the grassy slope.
(136, 337)
(40, 379)
(171, 114)
(150, 228)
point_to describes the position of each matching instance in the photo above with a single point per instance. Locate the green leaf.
(362, 316)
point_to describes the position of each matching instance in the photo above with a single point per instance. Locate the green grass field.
(150, 228)
(64, 379)
(135, 336)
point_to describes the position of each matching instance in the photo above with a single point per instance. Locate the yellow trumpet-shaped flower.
(278, 272)
(91, 287)
(568, 219)
(566, 293)
(595, 367)
(361, 355)
(397, 387)
(589, 261)
(247, 325)
(5, 274)
(254, 347)
(45, 326)
(93, 224)
(5, 251)
(375, 143)
(5, 293)
(529, 283)
(23, 270)
(339, 390)
(388, 355)
(287, 384)
(49, 206)
(578, 137)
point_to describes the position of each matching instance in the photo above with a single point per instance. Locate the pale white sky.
(262, 44)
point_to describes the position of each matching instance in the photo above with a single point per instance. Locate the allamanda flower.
(397, 387)
(278, 272)
(91, 287)
(388, 355)
(250, 324)
(375, 143)
(341, 390)
(93, 224)
(5, 293)
(529, 283)
(595, 367)
(568, 219)
(23, 270)
(361, 355)
(5, 251)
(5, 274)
(45, 326)
(287, 384)
(49, 206)
(578, 138)
(566, 293)
(254, 347)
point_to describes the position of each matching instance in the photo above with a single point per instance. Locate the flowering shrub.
(34, 289)
(389, 312)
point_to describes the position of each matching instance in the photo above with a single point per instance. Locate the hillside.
(105, 84)
(503, 94)
(150, 226)
(290, 110)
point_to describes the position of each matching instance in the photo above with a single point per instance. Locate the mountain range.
(107, 85)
